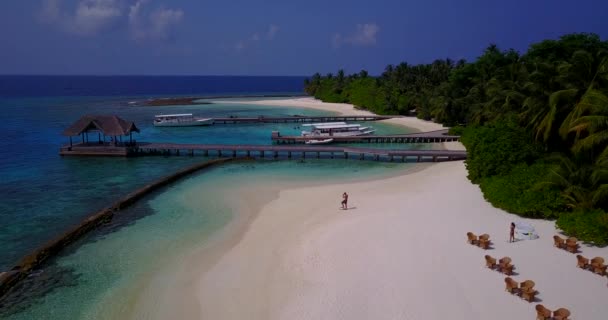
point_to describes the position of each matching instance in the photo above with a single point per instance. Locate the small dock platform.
(298, 119)
(423, 137)
(98, 149)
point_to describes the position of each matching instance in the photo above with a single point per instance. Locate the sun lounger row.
(504, 264)
(543, 313)
(570, 244)
(596, 265)
(524, 290)
(483, 241)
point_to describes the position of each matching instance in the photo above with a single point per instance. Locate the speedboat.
(335, 129)
(180, 120)
(320, 141)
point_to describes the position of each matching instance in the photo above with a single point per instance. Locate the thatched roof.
(110, 125)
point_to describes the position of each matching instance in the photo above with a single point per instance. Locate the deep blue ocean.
(43, 194)
(76, 86)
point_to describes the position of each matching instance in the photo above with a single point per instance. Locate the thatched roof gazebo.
(107, 125)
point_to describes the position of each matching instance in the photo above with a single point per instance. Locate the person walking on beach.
(512, 233)
(344, 201)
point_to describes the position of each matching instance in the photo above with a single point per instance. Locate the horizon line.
(141, 75)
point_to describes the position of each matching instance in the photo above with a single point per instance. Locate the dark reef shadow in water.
(37, 285)
(52, 277)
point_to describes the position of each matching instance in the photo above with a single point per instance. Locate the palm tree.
(591, 127)
(339, 86)
(580, 183)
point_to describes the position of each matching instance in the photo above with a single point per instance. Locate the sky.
(272, 37)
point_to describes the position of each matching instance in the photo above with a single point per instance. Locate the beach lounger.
(472, 238)
(582, 262)
(528, 284)
(511, 286)
(571, 245)
(505, 266)
(542, 313)
(484, 241)
(598, 266)
(528, 294)
(490, 262)
(561, 314)
(559, 242)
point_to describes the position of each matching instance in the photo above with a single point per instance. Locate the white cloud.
(364, 35)
(156, 25)
(91, 17)
(268, 35)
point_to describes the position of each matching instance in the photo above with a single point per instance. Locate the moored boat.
(319, 141)
(335, 129)
(180, 120)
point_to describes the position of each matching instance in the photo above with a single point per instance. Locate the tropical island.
(535, 125)
(271, 240)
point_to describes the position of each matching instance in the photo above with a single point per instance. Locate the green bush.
(517, 192)
(589, 226)
(456, 130)
(496, 150)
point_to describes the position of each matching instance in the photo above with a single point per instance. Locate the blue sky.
(252, 37)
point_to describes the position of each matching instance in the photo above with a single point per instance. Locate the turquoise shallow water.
(104, 272)
(45, 194)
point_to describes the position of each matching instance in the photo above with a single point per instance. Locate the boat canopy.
(338, 126)
(323, 124)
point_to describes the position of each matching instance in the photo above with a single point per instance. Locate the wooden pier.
(298, 119)
(423, 137)
(293, 152)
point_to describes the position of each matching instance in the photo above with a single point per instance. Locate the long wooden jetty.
(423, 137)
(298, 119)
(296, 151)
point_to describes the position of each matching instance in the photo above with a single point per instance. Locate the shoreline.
(413, 123)
(177, 282)
(185, 101)
(395, 256)
(341, 109)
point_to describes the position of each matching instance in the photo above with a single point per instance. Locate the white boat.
(335, 129)
(180, 120)
(319, 141)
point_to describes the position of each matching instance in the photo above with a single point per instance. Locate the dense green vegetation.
(535, 124)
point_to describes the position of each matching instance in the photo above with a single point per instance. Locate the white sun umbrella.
(524, 230)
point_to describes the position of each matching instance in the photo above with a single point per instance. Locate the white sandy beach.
(340, 108)
(399, 252)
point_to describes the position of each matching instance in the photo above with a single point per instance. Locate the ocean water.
(44, 194)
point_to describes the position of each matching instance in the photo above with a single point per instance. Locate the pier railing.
(299, 151)
(423, 137)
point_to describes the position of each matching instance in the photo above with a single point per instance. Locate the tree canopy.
(541, 114)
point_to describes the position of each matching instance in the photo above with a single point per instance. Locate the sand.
(341, 109)
(399, 252)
